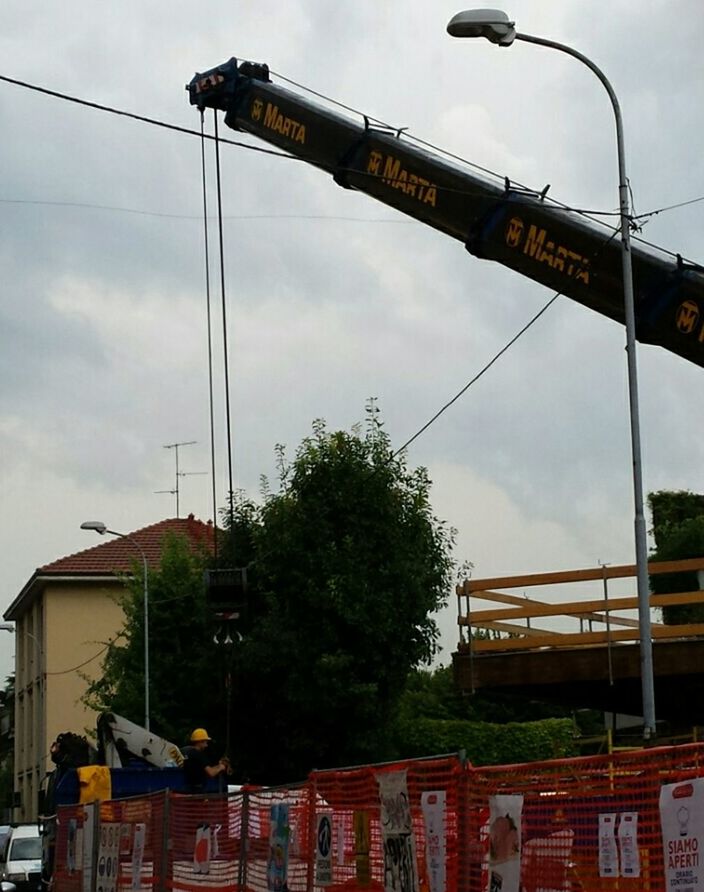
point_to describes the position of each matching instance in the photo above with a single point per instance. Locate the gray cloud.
(102, 342)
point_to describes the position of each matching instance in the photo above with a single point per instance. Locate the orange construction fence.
(627, 821)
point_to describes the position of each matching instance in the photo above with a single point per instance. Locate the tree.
(186, 684)
(346, 564)
(493, 727)
(350, 563)
(678, 528)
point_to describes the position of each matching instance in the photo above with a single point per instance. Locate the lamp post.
(495, 26)
(100, 528)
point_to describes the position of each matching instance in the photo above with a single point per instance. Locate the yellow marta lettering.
(559, 257)
(277, 121)
(398, 177)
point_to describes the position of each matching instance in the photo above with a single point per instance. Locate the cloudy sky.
(332, 298)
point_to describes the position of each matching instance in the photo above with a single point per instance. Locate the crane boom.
(518, 228)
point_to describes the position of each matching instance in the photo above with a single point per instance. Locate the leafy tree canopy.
(678, 528)
(350, 563)
(346, 564)
(185, 684)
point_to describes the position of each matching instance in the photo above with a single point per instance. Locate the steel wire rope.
(559, 205)
(476, 377)
(485, 368)
(210, 334)
(224, 329)
(279, 154)
(489, 364)
(385, 124)
(669, 207)
(439, 149)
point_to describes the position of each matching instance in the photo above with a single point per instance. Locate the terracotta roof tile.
(117, 555)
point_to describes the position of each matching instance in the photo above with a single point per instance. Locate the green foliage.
(185, 681)
(678, 527)
(494, 728)
(432, 694)
(350, 563)
(345, 564)
(487, 743)
(669, 509)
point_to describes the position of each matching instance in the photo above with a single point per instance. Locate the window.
(28, 848)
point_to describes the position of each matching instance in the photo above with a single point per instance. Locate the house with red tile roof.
(65, 616)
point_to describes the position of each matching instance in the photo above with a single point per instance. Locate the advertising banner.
(277, 863)
(682, 823)
(505, 843)
(400, 868)
(608, 852)
(108, 857)
(433, 805)
(86, 846)
(202, 849)
(323, 850)
(140, 834)
(628, 844)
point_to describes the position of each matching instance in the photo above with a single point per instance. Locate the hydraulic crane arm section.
(519, 229)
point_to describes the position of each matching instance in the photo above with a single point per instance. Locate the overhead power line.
(155, 122)
(669, 207)
(485, 368)
(125, 210)
(478, 375)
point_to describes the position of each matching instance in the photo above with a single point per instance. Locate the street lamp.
(495, 26)
(99, 527)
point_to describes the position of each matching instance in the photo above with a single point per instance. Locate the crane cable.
(226, 360)
(210, 334)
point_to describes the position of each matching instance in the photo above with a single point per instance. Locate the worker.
(197, 766)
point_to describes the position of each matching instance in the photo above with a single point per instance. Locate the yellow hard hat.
(199, 734)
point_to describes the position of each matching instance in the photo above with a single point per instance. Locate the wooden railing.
(512, 625)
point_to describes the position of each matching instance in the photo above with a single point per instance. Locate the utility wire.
(279, 154)
(439, 149)
(476, 377)
(669, 207)
(135, 117)
(125, 210)
(491, 362)
(84, 663)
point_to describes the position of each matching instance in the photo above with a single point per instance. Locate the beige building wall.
(59, 642)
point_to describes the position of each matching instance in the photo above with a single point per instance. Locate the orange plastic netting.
(629, 821)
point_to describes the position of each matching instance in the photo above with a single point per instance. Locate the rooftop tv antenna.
(179, 474)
